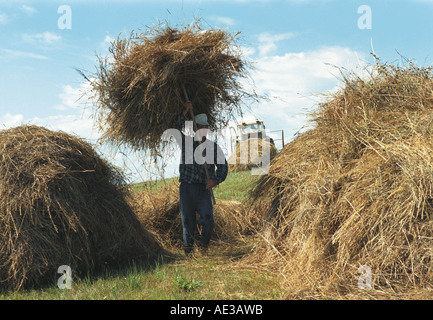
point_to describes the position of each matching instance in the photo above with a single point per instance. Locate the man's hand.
(211, 184)
(187, 106)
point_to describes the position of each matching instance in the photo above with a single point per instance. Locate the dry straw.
(357, 189)
(139, 89)
(61, 204)
(159, 211)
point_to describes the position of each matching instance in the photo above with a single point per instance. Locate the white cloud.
(267, 41)
(293, 82)
(223, 20)
(294, 72)
(105, 46)
(106, 43)
(9, 120)
(77, 124)
(10, 54)
(108, 40)
(28, 10)
(75, 116)
(45, 38)
(76, 113)
(4, 18)
(73, 98)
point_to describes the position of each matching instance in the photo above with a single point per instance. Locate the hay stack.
(160, 213)
(60, 204)
(357, 190)
(139, 91)
(252, 152)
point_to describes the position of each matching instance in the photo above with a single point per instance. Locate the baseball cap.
(201, 119)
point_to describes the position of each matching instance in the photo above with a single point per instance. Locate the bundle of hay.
(61, 204)
(248, 154)
(160, 213)
(139, 90)
(356, 192)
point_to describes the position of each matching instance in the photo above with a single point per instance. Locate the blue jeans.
(195, 197)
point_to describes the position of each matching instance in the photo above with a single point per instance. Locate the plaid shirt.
(192, 172)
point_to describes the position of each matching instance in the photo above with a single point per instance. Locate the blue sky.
(291, 43)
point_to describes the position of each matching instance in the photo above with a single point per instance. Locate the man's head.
(201, 121)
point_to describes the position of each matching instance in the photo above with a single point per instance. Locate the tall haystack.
(61, 204)
(355, 193)
(139, 90)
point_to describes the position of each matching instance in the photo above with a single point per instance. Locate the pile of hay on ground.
(248, 154)
(61, 204)
(139, 90)
(160, 213)
(356, 190)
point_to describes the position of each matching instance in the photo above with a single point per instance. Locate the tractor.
(251, 129)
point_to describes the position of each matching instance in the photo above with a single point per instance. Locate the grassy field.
(235, 187)
(217, 274)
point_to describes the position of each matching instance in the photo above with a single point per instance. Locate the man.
(195, 188)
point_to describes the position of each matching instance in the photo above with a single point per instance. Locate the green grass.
(236, 186)
(213, 276)
(218, 274)
(152, 185)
